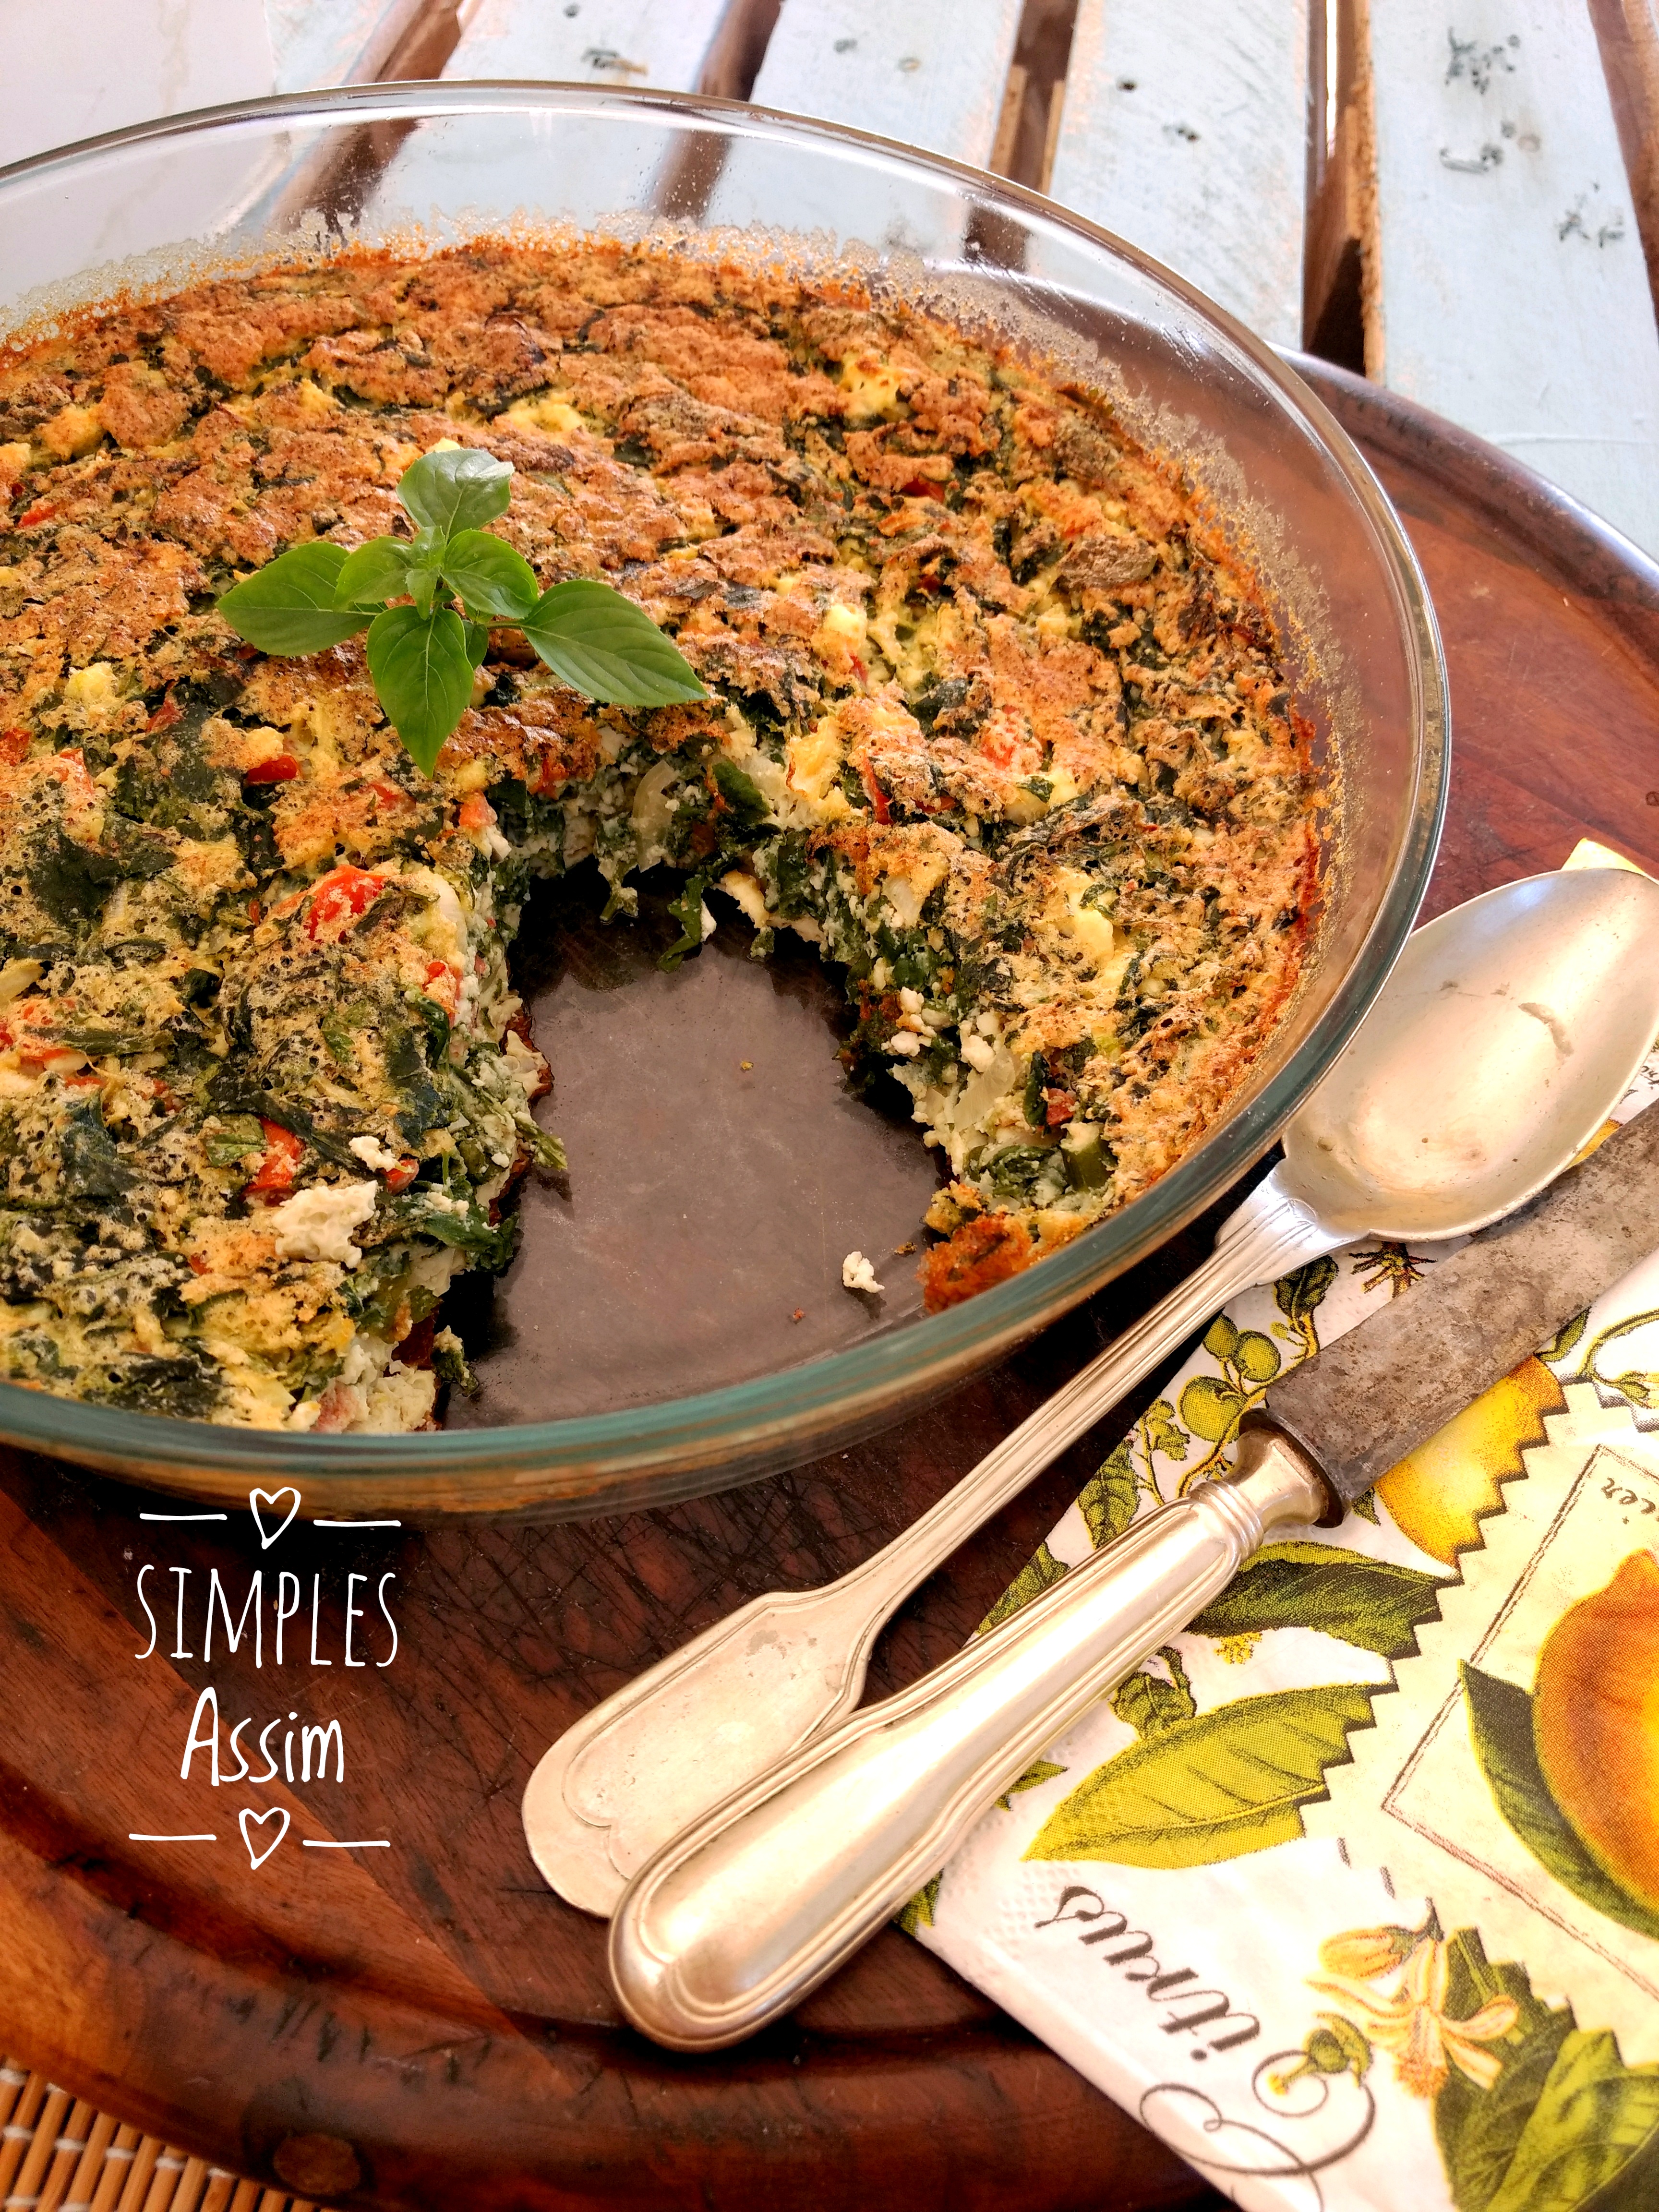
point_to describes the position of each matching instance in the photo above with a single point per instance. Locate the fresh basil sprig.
(422, 656)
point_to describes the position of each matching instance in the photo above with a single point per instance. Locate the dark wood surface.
(428, 2026)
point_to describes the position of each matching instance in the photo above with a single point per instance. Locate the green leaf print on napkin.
(1370, 1603)
(1149, 1704)
(1041, 1770)
(919, 1912)
(1531, 2113)
(1592, 2139)
(1040, 1571)
(1478, 2130)
(1213, 1787)
(1296, 1296)
(1500, 1723)
(1211, 1405)
(1108, 1502)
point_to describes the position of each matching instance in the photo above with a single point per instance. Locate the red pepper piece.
(283, 1150)
(281, 768)
(877, 796)
(342, 895)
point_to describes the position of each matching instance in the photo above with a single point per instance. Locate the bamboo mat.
(59, 2154)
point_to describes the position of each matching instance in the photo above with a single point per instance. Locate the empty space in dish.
(721, 1167)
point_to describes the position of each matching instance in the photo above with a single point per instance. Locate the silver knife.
(737, 1919)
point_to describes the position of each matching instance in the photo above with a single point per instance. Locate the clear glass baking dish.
(257, 184)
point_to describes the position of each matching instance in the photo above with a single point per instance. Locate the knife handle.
(735, 1920)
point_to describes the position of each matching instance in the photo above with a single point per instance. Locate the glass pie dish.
(675, 1320)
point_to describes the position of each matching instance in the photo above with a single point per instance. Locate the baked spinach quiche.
(993, 719)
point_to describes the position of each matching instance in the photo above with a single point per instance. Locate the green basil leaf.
(604, 646)
(423, 583)
(477, 640)
(457, 490)
(490, 577)
(288, 607)
(375, 574)
(423, 676)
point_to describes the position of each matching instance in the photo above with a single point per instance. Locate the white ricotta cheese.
(857, 1274)
(373, 1154)
(317, 1224)
(747, 893)
(444, 927)
(526, 1066)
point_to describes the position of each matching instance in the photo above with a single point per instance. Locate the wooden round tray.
(426, 2024)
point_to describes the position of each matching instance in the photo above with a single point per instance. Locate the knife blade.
(737, 1919)
(1386, 1387)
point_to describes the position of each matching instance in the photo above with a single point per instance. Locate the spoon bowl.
(1506, 1030)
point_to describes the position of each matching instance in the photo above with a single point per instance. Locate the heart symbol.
(272, 1498)
(257, 1859)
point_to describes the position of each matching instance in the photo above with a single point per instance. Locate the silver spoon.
(1506, 1031)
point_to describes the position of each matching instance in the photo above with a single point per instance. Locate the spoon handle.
(735, 1922)
(705, 1721)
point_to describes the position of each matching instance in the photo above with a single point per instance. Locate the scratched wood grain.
(1195, 147)
(1627, 32)
(1506, 286)
(427, 2026)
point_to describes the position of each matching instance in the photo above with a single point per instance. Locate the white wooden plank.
(1192, 145)
(456, 181)
(930, 73)
(1509, 289)
(629, 43)
(69, 74)
(110, 64)
(318, 43)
